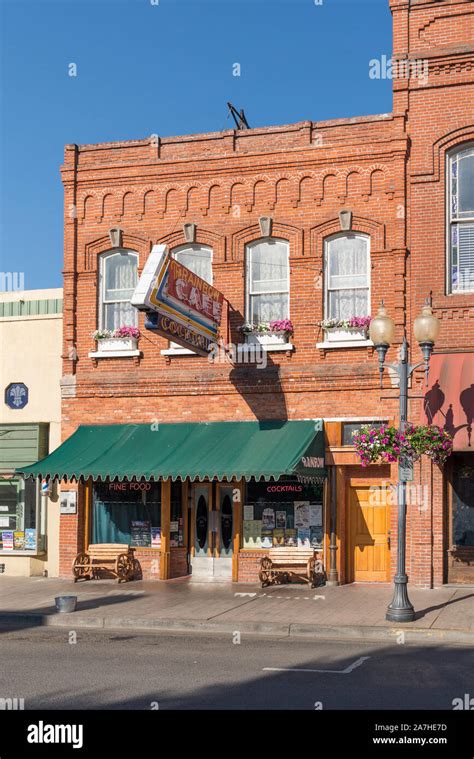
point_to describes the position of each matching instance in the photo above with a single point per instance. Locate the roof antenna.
(239, 118)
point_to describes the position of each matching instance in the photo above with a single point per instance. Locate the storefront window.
(283, 513)
(176, 516)
(20, 518)
(127, 512)
(463, 501)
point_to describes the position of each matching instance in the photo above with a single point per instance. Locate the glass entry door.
(213, 531)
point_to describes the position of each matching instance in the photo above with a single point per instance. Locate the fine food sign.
(180, 305)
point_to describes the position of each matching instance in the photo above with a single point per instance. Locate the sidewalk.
(343, 613)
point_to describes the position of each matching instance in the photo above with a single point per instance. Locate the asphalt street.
(61, 669)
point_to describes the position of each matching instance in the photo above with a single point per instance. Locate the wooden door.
(369, 552)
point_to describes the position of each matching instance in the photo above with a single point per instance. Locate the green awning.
(222, 450)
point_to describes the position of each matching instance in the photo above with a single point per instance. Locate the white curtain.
(462, 227)
(347, 277)
(268, 281)
(120, 279)
(197, 259)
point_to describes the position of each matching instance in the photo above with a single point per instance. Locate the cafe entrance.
(212, 534)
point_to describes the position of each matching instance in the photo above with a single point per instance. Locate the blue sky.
(167, 69)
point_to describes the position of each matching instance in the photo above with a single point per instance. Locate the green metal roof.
(31, 307)
(222, 450)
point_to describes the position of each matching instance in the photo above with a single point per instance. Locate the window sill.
(345, 344)
(241, 348)
(267, 347)
(178, 352)
(114, 354)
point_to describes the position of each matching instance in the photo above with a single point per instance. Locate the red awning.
(449, 401)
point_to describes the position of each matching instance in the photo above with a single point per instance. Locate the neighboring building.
(31, 333)
(308, 221)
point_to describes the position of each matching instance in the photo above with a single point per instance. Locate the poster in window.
(155, 537)
(248, 512)
(304, 538)
(7, 539)
(267, 538)
(253, 533)
(291, 538)
(278, 538)
(301, 515)
(30, 539)
(268, 519)
(316, 537)
(315, 515)
(281, 520)
(19, 540)
(140, 534)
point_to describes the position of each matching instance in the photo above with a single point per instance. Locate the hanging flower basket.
(387, 444)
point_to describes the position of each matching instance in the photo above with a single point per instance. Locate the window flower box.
(266, 338)
(117, 344)
(268, 333)
(348, 334)
(121, 339)
(350, 330)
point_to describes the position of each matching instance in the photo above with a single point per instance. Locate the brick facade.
(388, 170)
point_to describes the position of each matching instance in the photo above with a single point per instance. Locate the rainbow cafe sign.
(180, 305)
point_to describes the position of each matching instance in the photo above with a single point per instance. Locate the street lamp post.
(382, 332)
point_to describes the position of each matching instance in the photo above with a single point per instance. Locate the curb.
(305, 631)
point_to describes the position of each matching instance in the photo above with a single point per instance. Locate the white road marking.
(316, 598)
(345, 671)
(245, 594)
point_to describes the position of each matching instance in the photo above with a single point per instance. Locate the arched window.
(198, 259)
(347, 277)
(461, 220)
(268, 280)
(118, 279)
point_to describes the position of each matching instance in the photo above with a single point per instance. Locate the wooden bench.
(281, 563)
(116, 558)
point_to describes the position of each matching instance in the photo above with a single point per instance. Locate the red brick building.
(308, 222)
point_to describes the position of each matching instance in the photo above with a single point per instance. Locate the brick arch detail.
(249, 234)
(94, 248)
(441, 147)
(374, 229)
(203, 237)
